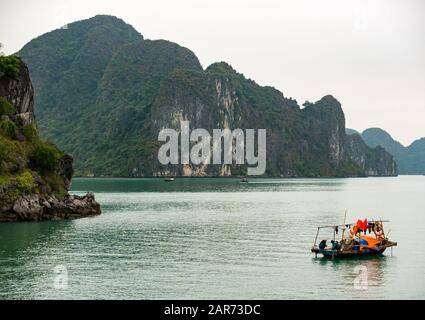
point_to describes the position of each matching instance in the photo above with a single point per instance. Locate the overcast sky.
(369, 54)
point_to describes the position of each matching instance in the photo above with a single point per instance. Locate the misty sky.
(369, 54)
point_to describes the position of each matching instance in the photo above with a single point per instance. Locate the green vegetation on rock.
(30, 132)
(25, 182)
(20, 161)
(6, 109)
(34, 175)
(8, 153)
(44, 157)
(23, 155)
(8, 127)
(9, 66)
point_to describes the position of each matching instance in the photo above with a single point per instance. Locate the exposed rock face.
(375, 162)
(300, 142)
(27, 193)
(27, 206)
(37, 208)
(20, 93)
(66, 170)
(410, 159)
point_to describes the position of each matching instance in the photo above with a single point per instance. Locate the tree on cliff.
(9, 66)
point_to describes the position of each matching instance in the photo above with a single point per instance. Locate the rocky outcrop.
(20, 93)
(35, 176)
(35, 207)
(66, 169)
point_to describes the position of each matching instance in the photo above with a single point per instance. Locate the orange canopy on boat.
(372, 242)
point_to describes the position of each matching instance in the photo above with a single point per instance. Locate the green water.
(217, 238)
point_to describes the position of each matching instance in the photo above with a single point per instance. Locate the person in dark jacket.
(335, 245)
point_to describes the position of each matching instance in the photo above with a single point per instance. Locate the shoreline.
(239, 177)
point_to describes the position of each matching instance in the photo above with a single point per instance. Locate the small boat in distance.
(244, 180)
(354, 240)
(169, 179)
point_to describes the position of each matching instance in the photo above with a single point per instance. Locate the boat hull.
(353, 253)
(350, 254)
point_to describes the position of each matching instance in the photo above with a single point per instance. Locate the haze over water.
(218, 239)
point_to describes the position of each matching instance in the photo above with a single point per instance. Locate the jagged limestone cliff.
(35, 176)
(375, 162)
(309, 141)
(104, 93)
(410, 159)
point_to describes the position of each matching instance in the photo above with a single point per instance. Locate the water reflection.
(360, 275)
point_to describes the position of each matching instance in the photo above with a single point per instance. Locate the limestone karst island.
(35, 175)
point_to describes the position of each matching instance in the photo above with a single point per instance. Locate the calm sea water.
(217, 238)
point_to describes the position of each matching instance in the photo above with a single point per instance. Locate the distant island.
(410, 160)
(35, 175)
(103, 92)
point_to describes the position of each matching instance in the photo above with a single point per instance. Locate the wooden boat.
(169, 179)
(354, 241)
